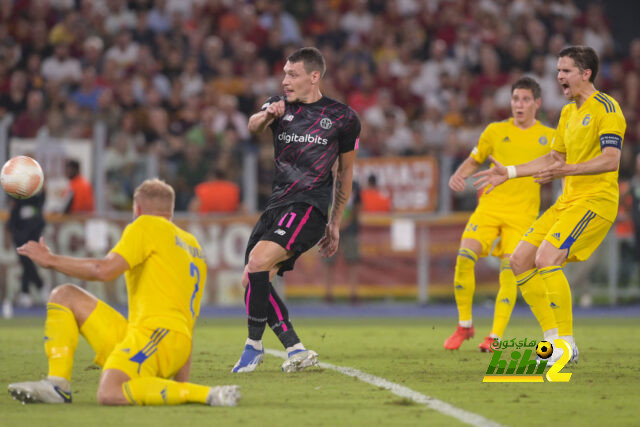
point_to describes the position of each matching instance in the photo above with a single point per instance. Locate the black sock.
(278, 319)
(257, 298)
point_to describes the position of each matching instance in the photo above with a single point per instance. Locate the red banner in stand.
(410, 182)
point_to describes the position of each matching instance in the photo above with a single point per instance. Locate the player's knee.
(547, 259)
(519, 263)
(258, 262)
(64, 294)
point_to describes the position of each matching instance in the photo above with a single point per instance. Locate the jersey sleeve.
(485, 146)
(558, 140)
(266, 105)
(133, 245)
(611, 128)
(351, 133)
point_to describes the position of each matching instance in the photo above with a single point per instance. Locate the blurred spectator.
(80, 192)
(88, 94)
(15, 100)
(228, 116)
(374, 200)
(274, 17)
(61, 68)
(124, 52)
(26, 222)
(31, 120)
(216, 195)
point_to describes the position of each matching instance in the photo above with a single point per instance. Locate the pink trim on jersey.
(290, 187)
(302, 223)
(278, 312)
(293, 216)
(357, 142)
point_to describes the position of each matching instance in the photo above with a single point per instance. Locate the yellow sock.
(505, 300)
(158, 391)
(464, 283)
(534, 292)
(60, 340)
(559, 294)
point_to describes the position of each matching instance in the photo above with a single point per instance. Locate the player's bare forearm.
(104, 270)
(464, 171)
(259, 122)
(342, 186)
(535, 165)
(607, 161)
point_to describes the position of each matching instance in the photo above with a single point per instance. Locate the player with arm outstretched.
(146, 359)
(586, 151)
(505, 213)
(311, 132)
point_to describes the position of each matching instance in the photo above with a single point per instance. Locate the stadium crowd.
(178, 78)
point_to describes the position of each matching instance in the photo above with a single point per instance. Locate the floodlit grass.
(604, 389)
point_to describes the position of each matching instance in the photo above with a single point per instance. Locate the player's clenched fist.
(275, 109)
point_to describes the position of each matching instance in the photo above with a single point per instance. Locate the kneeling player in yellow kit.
(146, 359)
(505, 213)
(586, 150)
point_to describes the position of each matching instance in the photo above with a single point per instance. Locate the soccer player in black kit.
(310, 132)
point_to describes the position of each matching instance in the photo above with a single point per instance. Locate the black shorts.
(296, 227)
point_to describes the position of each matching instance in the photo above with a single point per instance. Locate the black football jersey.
(307, 139)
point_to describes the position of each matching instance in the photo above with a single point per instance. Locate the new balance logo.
(553, 305)
(459, 287)
(280, 232)
(163, 393)
(505, 300)
(556, 236)
(288, 118)
(126, 350)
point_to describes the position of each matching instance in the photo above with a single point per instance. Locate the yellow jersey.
(166, 276)
(582, 134)
(511, 145)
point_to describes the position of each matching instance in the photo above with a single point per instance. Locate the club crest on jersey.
(506, 139)
(543, 140)
(326, 123)
(288, 118)
(586, 120)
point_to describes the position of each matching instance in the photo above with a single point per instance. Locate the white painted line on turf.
(402, 391)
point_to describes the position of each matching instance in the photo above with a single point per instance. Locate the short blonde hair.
(155, 196)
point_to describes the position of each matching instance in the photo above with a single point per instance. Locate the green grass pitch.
(604, 389)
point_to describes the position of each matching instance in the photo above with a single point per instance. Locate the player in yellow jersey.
(146, 360)
(586, 151)
(505, 213)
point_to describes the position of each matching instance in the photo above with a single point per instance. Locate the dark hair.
(311, 58)
(528, 83)
(584, 57)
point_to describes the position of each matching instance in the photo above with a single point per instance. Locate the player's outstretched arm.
(607, 161)
(104, 270)
(341, 193)
(457, 182)
(500, 173)
(260, 120)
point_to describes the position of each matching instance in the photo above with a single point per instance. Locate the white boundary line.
(402, 391)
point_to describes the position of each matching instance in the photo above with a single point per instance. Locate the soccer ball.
(22, 177)
(544, 349)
